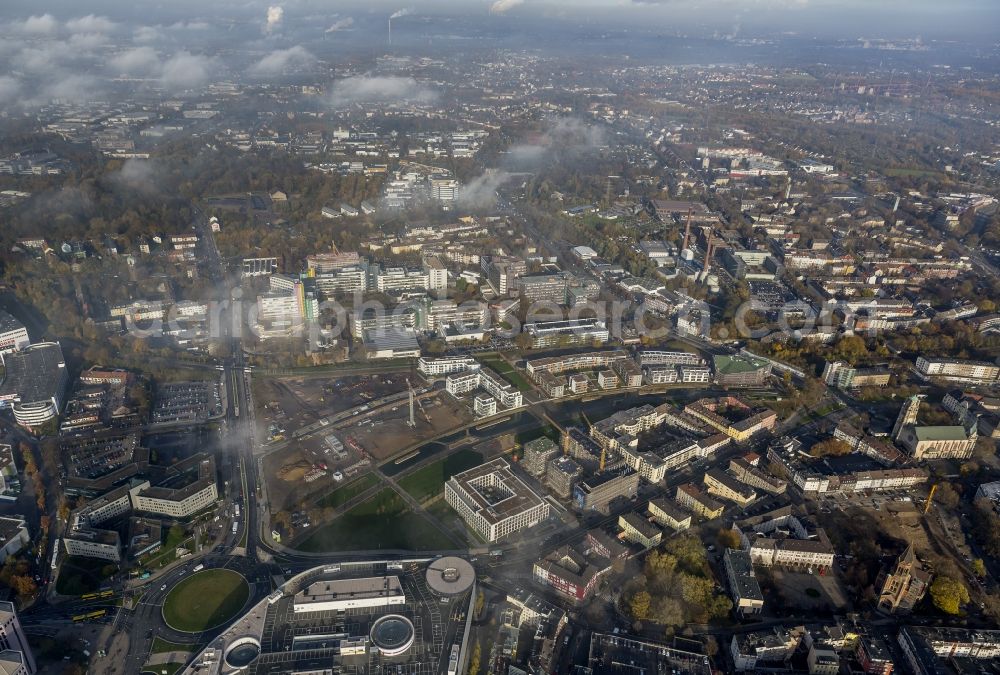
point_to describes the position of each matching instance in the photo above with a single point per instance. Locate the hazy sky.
(70, 49)
(929, 18)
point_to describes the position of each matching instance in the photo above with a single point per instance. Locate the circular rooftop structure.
(241, 653)
(450, 575)
(392, 634)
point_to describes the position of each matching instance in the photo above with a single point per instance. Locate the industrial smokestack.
(390, 31)
(709, 252)
(687, 230)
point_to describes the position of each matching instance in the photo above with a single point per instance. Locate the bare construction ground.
(387, 434)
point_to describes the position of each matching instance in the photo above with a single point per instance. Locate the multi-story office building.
(198, 492)
(741, 371)
(566, 332)
(13, 334)
(571, 573)
(441, 314)
(543, 288)
(502, 273)
(328, 262)
(400, 279)
(958, 370)
(721, 484)
(352, 279)
(842, 376)
(667, 514)
(660, 374)
(537, 455)
(638, 530)
(380, 319)
(437, 275)
(701, 504)
(874, 656)
(597, 492)
(15, 652)
(740, 431)
(743, 587)
(15, 537)
(506, 394)
(928, 649)
(445, 365)
(86, 542)
(652, 357)
(493, 501)
(782, 538)
(752, 475)
(562, 475)
(34, 384)
(259, 267)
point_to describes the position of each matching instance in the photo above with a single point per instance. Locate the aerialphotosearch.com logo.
(321, 323)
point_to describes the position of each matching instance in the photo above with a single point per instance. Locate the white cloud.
(86, 42)
(9, 89)
(73, 88)
(185, 70)
(382, 89)
(44, 24)
(277, 61)
(91, 24)
(146, 34)
(136, 61)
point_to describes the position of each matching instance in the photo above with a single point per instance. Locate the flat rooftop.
(34, 374)
(349, 589)
(494, 492)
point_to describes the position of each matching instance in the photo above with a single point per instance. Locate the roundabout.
(205, 600)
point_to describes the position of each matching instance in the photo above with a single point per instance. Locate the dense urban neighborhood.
(495, 339)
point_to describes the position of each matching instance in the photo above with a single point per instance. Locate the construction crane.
(412, 422)
(930, 498)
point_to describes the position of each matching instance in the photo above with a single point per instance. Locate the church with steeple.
(901, 586)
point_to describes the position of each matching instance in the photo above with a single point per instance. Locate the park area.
(496, 363)
(205, 600)
(428, 482)
(382, 522)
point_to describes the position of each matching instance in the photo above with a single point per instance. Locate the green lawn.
(161, 668)
(506, 370)
(910, 172)
(346, 493)
(384, 521)
(450, 519)
(168, 551)
(429, 481)
(205, 600)
(83, 575)
(530, 435)
(161, 646)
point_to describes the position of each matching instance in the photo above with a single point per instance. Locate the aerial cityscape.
(496, 337)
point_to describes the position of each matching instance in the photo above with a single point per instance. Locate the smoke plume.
(275, 13)
(502, 6)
